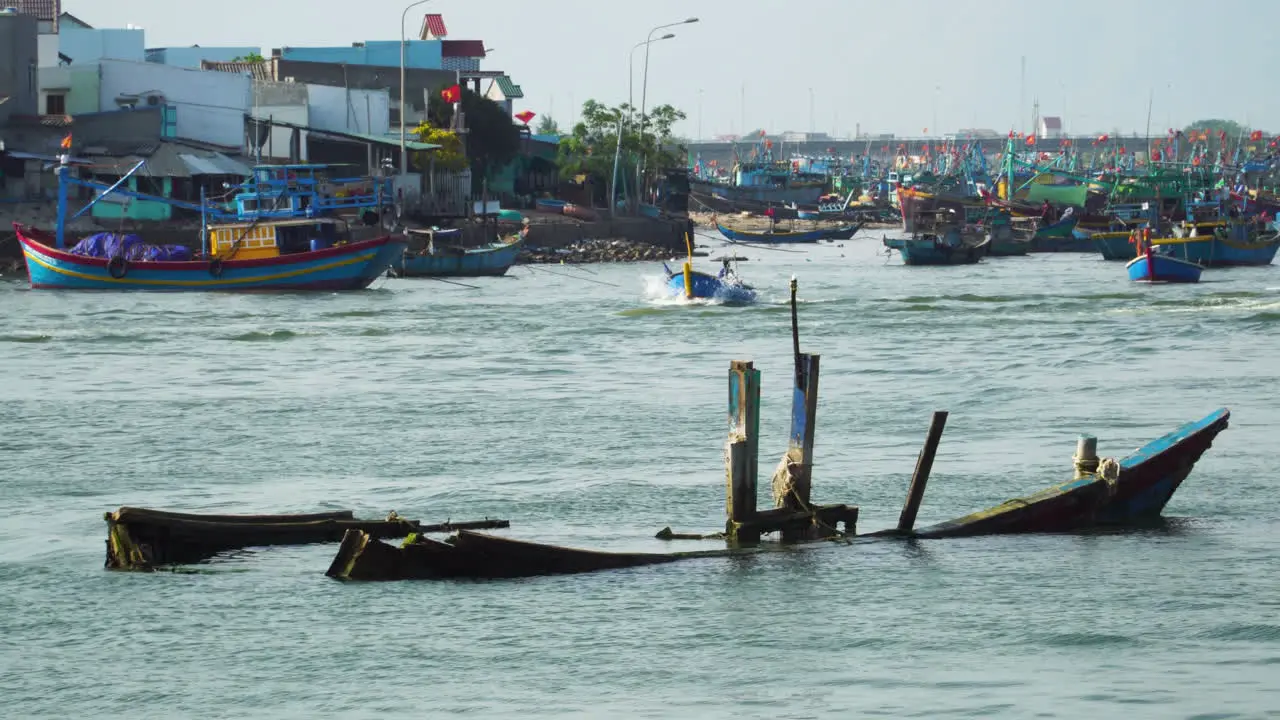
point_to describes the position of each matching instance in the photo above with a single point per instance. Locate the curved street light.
(404, 157)
(631, 75)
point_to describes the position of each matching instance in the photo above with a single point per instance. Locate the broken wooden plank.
(142, 539)
(920, 478)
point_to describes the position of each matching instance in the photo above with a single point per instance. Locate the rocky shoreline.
(604, 250)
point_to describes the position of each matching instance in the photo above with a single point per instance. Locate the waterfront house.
(504, 92)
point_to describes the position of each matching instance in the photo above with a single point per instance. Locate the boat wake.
(658, 293)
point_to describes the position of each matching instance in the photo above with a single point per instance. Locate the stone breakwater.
(595, 251)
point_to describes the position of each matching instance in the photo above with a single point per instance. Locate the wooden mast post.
(920, 478)
(742, 454)
(804, 407)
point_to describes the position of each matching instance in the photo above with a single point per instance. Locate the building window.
(55, 104)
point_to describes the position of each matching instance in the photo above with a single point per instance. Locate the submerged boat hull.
(1147, 479)
(491, 260)
(343, 267)
(1154, 267)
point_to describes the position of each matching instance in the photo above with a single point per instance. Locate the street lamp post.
(631, 73)
(644, 92)
(404, 156)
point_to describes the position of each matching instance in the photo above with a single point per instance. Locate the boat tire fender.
(117, 266)
(215, 267)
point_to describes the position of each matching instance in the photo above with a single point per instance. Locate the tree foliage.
(591, 145)
(1233, 129)
(493, 140)
(250, 58)
(547, 126)
(450, 155)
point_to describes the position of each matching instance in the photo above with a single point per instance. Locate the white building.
(1050, 128)
(208, 107)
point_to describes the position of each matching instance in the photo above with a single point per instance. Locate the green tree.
(492, 139)
(1215, 126)
(547, 126)
(250, 58)
(646, 140)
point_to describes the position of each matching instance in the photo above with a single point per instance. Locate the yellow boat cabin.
(271, 238)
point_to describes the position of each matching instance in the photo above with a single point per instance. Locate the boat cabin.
(298, 191)
(254, 240)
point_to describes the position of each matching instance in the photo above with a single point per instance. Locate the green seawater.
(590, 414)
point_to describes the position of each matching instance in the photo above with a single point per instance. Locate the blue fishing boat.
(1241, 244)
(1123, 492)
(727, 287)
(343, 266)
(773, 237)
(438, 258)
(1158, 267)
(260, 254)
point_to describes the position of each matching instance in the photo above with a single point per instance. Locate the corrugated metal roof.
(462, 48)
(433, 27)
(47, 10)
(214, 165)
(509, 89)
(260, 70)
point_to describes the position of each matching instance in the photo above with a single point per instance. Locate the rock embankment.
(595, 251)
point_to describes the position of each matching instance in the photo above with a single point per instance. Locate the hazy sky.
(889, 66)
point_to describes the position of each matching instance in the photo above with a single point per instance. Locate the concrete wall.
(78, 83)
(277, 145)
(190, 57)
(90, 46)
(19, 59)
(355, 111)
(210, 105)
(422, 54)
(48, 45)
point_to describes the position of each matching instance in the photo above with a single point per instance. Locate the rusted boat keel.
(144, 539)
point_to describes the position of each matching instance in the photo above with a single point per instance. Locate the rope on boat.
(575, 277)
(783, 485)
(1109, 472)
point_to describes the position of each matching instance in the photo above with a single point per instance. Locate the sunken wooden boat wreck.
(143, 539)
(1102, 492)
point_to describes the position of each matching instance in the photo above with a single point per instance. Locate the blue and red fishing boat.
(264, 253)
(1152, 266)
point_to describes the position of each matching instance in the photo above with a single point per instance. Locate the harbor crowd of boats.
(301, 227)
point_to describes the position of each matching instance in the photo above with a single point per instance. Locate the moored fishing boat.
(438, 258)
(1239, 244)
(950, 249)
(1157, 267)
(270, 253)
(1114, 245)
(776, 236)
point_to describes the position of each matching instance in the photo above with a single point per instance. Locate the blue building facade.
(419, 54)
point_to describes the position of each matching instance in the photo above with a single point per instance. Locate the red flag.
(1103, 138)
(66, 142)
(525, 116)
(1256, 135)
(1031, 140)
(1155, 155)
(451, 94)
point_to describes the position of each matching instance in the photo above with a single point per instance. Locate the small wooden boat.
(439, 259)
(843, 233)
(1158, 267)
(773, 236)
(1135, 490)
